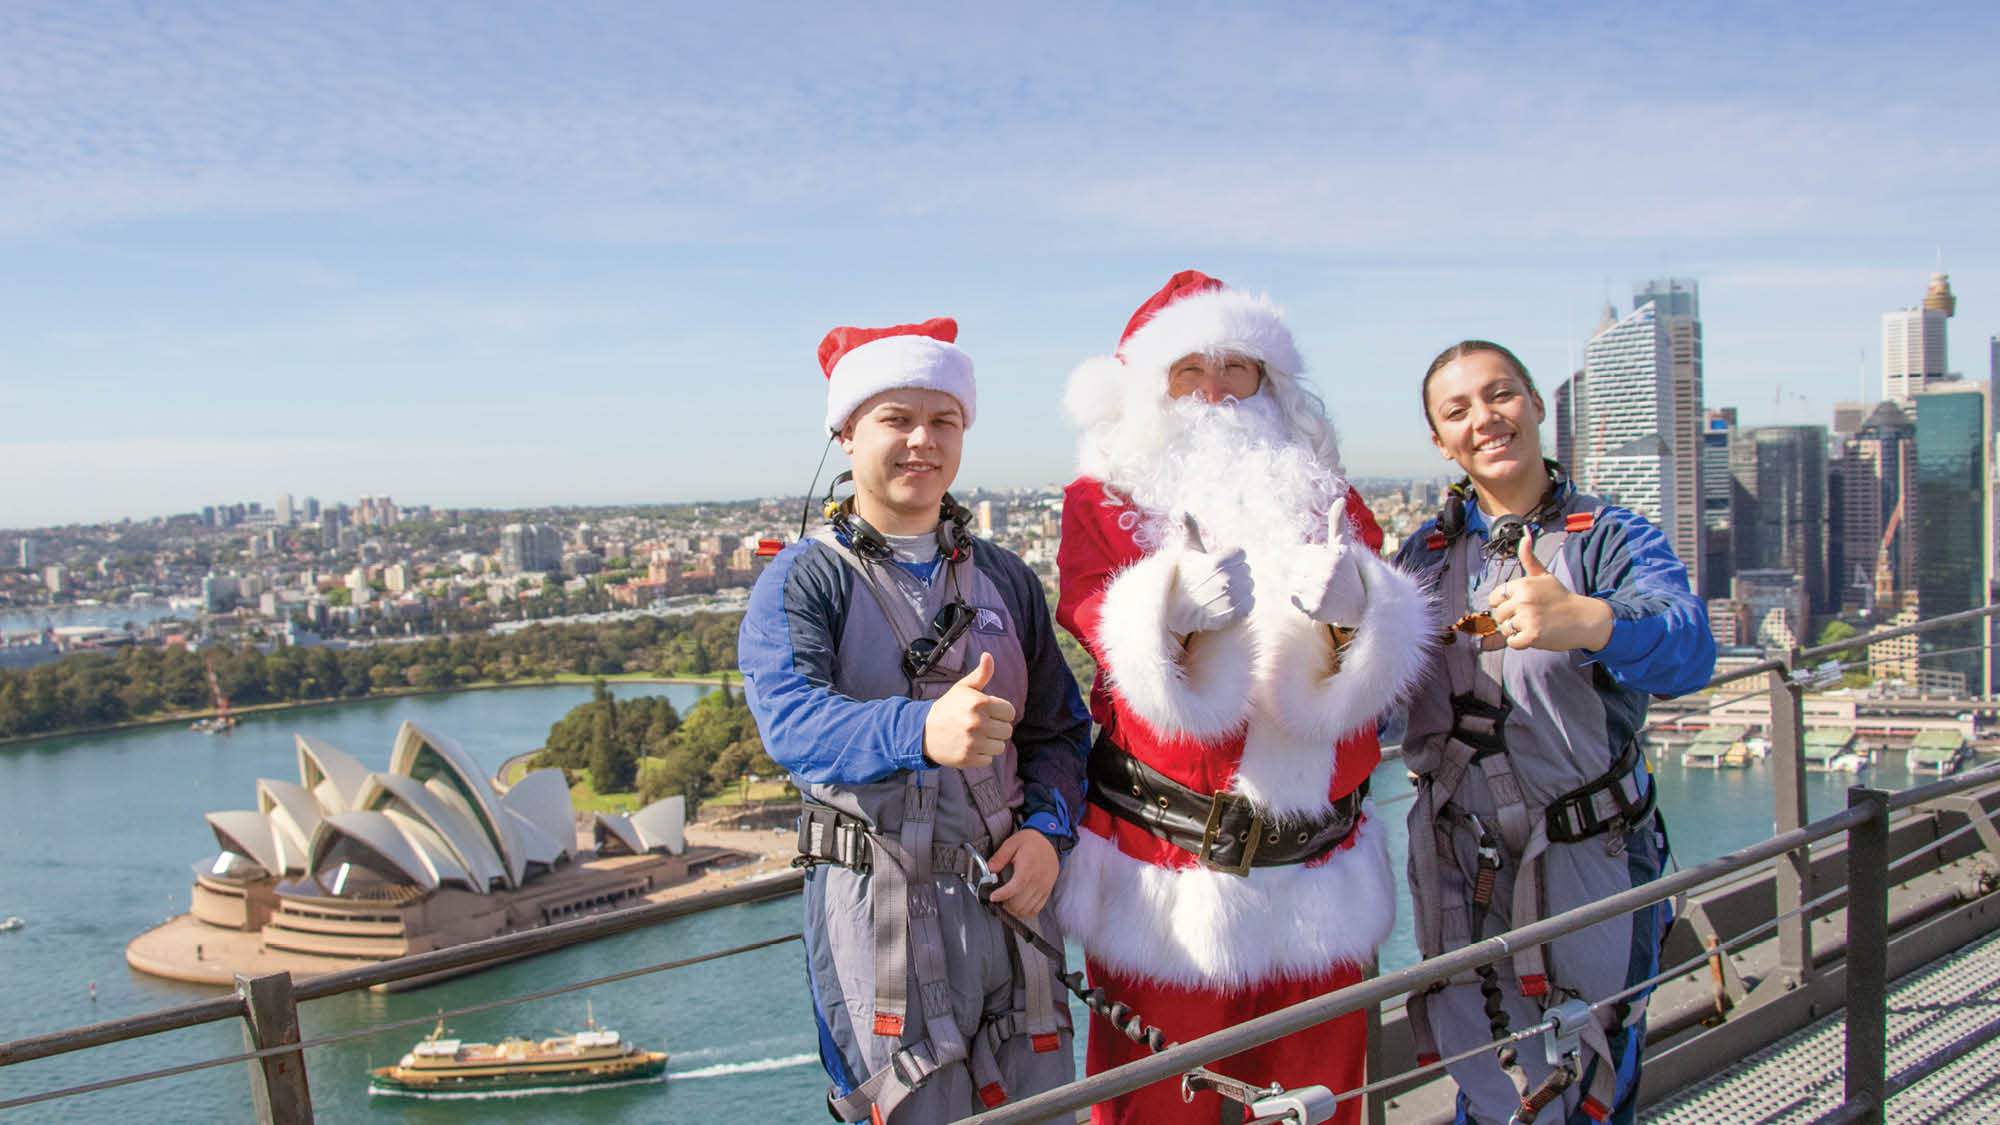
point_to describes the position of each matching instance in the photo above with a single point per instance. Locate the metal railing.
(268, 1005)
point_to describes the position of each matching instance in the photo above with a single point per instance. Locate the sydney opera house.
(351, 864)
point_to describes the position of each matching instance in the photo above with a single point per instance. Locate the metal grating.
(1948, 1011)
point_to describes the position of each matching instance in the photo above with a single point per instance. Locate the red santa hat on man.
(1192, 313)
(861, 363)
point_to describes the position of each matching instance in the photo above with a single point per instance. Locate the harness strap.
(877, 1097)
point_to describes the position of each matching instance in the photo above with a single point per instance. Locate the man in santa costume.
(1248, 636)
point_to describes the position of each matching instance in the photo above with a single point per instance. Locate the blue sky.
(501, 254)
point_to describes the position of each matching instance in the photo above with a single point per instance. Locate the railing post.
(1374, 1111)
(1794, 869)
(271, 1019)
(1868, 955)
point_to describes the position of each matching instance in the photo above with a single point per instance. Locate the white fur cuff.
(1203, 690)
(1198, 928)
(1390, 651)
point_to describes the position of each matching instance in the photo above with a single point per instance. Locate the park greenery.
(135, 684)
(643, 745)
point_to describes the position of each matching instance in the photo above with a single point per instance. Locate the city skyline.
(512, 256)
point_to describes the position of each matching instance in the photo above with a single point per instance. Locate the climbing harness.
(1306, 1105)
(1516, 832)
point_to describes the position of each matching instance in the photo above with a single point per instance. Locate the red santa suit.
(1274, 707)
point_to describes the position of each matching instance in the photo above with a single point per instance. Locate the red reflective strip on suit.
(875, 1115)
(1534, 984)
(1043, 1044)
(1435, 541)
(992, 1094)
(888, 1023)
(1579, 521)
(1597, 1110)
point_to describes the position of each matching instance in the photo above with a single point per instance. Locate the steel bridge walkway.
(1944, 1057)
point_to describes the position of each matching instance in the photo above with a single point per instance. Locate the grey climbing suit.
(1504, 738)
(941, 1010)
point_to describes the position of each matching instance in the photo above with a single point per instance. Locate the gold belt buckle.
(1256, 836)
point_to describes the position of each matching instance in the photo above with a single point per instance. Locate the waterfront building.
(56, 579)
(28, 554)
(1914, 354)
(1718, 502)
(218, 593)
(1780, 476)
(1624, 449)
(1954, 497)
(352, 864)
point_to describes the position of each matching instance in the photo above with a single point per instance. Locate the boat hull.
(650, 1066)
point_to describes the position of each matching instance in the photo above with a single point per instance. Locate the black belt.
(1573, 817)
(827, 835)
(1223, 830)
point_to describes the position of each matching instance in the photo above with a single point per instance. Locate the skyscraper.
(1676, 305)
(1871, 494)
(283, 508)
(1781, 523)
(533, 547)
(1914, 356)
(1953, 570)
(1569, 409)
(1718, 503)
(1623, 443)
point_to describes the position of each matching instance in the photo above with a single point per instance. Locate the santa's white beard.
(1239, 470)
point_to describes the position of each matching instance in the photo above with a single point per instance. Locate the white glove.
(1209, 591)
(1326, 580)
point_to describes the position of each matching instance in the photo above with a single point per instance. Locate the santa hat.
(1192, 313)
(861, 363)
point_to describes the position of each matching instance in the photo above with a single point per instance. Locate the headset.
(1451, 517)
(954, 533)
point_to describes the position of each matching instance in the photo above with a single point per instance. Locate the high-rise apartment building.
(1914, 355)
(283, 509)
(29, 557)
(1953, 488)
(1623, 443)
(535, 547)
(1718, 503)
(1781, 518)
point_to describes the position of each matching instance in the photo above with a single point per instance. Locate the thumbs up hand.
(1209, 591)
(1327, 582)
(966, 727)
(1537, 611)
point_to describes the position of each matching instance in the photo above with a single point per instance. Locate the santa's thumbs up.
(1531, 564)
(968, 728)
(1337, 530)
(1327, 583)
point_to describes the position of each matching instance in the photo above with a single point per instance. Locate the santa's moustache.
(1240, 471)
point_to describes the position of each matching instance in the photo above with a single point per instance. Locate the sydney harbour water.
(98, 836)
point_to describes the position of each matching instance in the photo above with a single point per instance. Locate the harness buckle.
(1253, 836)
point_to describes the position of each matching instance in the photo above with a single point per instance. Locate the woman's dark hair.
(1459, 351)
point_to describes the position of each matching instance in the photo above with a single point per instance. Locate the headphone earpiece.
(954, 533)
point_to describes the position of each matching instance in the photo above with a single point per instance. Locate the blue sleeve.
(1660, 638)
(1052, 732)
(786, 650)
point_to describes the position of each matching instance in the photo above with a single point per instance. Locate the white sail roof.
(370, 840)
(428, 756)
(329, 772)
(456, 830)
(247, 833)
